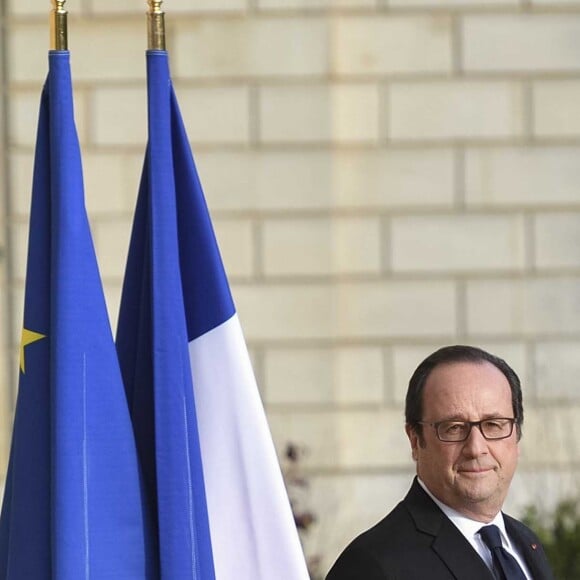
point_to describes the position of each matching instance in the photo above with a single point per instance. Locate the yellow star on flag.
(28, 337)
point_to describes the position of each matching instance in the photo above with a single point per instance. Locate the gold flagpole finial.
(58, 26)
(156, 29)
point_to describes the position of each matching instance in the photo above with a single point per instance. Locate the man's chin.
(476, 486)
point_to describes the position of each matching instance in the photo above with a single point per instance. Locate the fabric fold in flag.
(74, 504)
(208, 457)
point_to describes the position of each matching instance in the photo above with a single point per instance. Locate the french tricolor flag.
(209, 465)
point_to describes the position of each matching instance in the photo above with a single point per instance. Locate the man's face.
(472, 476)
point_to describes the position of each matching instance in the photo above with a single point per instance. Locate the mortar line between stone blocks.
(459, 179)
(358, 471)
(531, 368)
(283, 214)
(461, 308)
(89, 124)
(6, 209)
(530, 249)
(254, 96)
(384, 113)
(529, 107)
(85, 96)
(399, 341)
(457, 49)
(388, 375)
(386, 241)
(258, 257)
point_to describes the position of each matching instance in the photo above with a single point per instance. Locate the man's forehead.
(462, 379)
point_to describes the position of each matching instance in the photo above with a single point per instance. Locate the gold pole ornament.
(58, 26)
(156, 21)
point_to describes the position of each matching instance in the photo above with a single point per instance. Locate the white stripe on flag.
(252, 528)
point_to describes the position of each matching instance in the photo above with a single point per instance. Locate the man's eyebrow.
(459, 417)
(496, 416)
(456, 417)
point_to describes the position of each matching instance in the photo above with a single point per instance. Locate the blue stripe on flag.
(152, 343)
(207, 296)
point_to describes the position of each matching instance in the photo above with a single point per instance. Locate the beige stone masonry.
(119, 117)
(555, 110)
(325, 376)
(522, 42)
(30, 41)
(475, 4)
(305, 114)
(322, 247)
(348, 310)
(257, 48)
(108, 7)
(532, 177)
(557, 365)
(282, 5)
(536, 307)
(215, 115)
(456, 110)
(21, 177)
(111, 183)
(557, 237)
(470, 243)
(237, 246)
(392, 45)
(351, 440)
(286, 180)
(111, 238)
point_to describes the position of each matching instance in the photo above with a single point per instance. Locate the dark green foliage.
(559, 532)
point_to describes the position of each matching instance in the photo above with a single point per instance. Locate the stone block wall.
(385, 176)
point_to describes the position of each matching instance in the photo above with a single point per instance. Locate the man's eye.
(454, 428)
(494, 425)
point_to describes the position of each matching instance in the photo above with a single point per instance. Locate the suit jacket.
(417, 541)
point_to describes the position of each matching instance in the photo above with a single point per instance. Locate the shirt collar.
(467, 526)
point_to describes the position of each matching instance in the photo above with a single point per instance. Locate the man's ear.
(413, 440)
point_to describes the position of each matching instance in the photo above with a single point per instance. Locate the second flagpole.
(156, 28)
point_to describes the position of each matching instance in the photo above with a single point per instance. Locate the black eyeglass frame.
(510, 420)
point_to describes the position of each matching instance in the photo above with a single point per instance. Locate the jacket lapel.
(448, 542)
(530, 549)
(459, 555)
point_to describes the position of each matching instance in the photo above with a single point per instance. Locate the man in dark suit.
(464, 418)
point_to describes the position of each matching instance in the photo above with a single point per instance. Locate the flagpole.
(156, 28)
(58, 26)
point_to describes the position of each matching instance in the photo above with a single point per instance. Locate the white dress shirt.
(470, 528)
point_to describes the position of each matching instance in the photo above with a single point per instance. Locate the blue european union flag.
(73, 505)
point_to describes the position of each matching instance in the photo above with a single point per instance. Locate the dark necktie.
(503, 562)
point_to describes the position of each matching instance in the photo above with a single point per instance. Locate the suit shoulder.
(520, 528)
(530, 546)
(365, 555)
(385, 550)
(387, 532)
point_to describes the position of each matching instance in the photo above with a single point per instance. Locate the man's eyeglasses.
(457, 431)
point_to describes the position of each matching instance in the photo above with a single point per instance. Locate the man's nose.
(475, 444)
